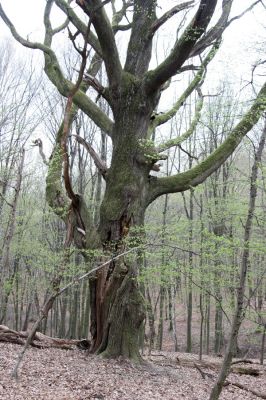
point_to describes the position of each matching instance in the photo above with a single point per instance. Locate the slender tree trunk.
(162, 284)
(10, 275)
(170, 307)
(218, 338)
(262, 344)
(86, 317)
(207, 323)
(190, 272)
(201, 296)
(27, 315)
(161, 319)
(151, 320)
(174, 321)
(239, 315)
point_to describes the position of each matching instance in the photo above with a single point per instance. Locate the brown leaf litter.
(54, 374)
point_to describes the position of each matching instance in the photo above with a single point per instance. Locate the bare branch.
(122, 27)
(119, 15)
(244, 12)
(189, 67)
(177, 141)
(187, 153)
(81, 278)
(183, 46)
(38, 142)
(24, 42)
(100, 164)
(53, 71)
(93, 82)
(157, 24)
(5, 200)
(215, 33)
(103, 28)
(79, 24)
(197, 80)
(67, 120)
(61, 27)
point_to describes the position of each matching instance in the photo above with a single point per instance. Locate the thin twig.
(82, 277)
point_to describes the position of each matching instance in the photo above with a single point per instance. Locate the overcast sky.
(238, 53)
(233, 63)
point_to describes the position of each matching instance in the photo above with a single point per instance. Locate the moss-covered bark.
(118, 303)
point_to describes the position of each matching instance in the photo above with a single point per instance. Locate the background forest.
(194, 240)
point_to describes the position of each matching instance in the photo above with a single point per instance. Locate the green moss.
(64, 87)
(199, 173)
(129, 80)
(163, 118)
(54, 191)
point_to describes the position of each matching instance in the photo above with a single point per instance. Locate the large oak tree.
(133, 94)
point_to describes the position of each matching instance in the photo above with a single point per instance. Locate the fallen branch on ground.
(250, 369)
(228, 382)
(40, 340)
(247, 389)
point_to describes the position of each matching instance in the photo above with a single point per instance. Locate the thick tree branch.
(55, 194)
(80, 98)
(103, 28)
(79, 24)
(177, 141)
(61, 27)
(140, 43)
(183, 46)
(67, 122)
(196, 175)
(215, 33)
(54, 73)
(47, 23)
(24, 42)
(197, 80)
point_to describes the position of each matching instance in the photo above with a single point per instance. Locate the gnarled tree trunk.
(117, 302)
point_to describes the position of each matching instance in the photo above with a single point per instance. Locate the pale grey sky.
(237, 54)
(234, 60)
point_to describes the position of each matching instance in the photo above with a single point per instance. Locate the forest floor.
(54, 374)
